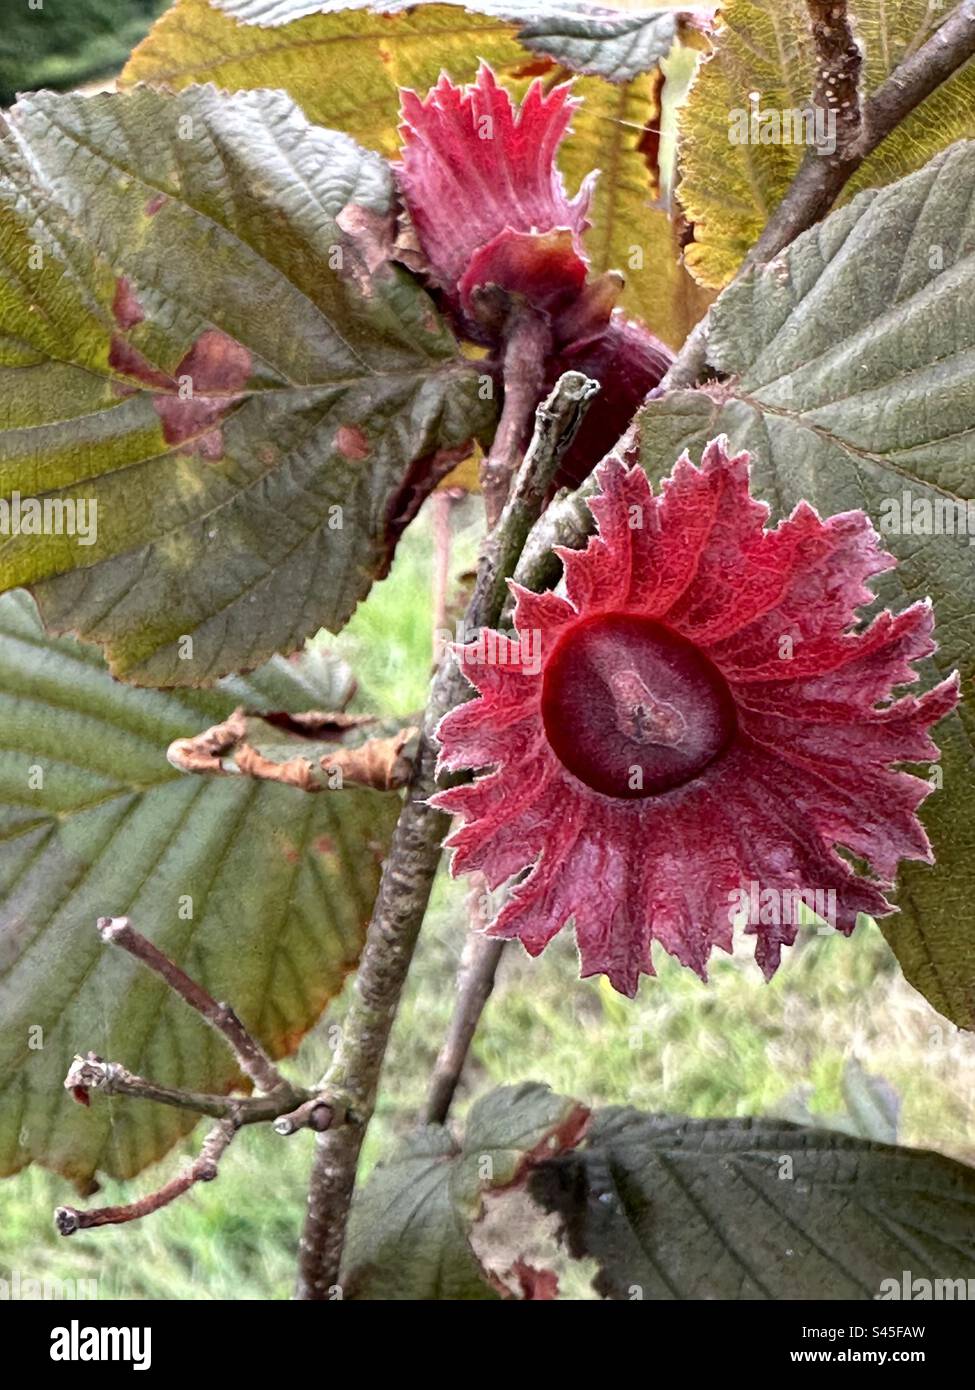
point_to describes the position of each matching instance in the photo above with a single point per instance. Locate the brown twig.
(820, 178)
(475, 983)
(408, 875)
(290, 1107)
(442, 503)
(838, 65)
(316, 1113)
(361, 751)
(253, 1060)
(203, 1168)
(566, 522)
(527, 342)
(92, 1073)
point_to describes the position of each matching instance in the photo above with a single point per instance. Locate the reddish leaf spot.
(649, 142)
(194, 400)
(351, 442)
(539, 67)
(291, 854)
(125, 306)
(325, 845)
(128, 360)
(155, 203)
(536, 1284)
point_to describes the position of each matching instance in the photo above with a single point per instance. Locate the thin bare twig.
(411, 865)
(566, 522)
(92, 1073)
(253, 1060)
(475, 983)
(203, 1168)
(442, 503)
(350, 758)
(289, 1107)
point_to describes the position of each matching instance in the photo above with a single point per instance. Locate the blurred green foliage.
(61, 43)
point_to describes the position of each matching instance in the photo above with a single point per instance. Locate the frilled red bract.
(694, 729)
(487, 201)
(494, 222)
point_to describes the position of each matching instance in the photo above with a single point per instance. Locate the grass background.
(733, 1047)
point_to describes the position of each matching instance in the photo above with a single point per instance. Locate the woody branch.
(412, 863)
(286, 1106)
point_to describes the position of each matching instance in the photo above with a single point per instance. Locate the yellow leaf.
(614, 133)
(343, 68)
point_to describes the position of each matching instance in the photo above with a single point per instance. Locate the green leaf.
(756, 1209)
(409, 1234)
(261, 893)
(593, 39)
(728, 190)
(618, 47)
(154, 245)
(848, 366)
(290, 44)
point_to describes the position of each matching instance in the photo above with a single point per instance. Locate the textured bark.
(475, 983)
(821, 178)
(414, 855)
(838, 66)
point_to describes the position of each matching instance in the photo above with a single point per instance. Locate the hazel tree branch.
(838, 66)
(527, 342)
(404, 891)
(475, 983)
(203, 1168)
(254, 1061)
(289, 1107)
(93, 1073)
(821, 178)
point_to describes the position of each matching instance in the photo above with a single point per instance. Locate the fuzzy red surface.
(479, 178)
(628, 362)
(808, 769)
